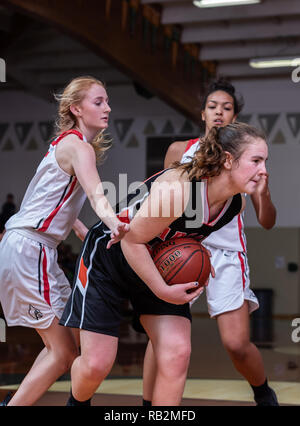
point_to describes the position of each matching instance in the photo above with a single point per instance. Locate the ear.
(229, 161)
(75, 110)
(234, 118)
(203, 115)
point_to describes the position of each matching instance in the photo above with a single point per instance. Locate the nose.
(107, 108)
(263, 169)
(219, 110)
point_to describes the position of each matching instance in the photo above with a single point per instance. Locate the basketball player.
(33, 289)
(230, 161)
(229, 297)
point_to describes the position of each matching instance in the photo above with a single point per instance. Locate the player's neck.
(88, 133)
(219, 190)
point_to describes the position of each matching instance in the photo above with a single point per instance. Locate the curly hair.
(209, 160)
(225, 86)
(73, 93)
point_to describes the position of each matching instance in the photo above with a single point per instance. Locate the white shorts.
(231, 285)
(33, 289)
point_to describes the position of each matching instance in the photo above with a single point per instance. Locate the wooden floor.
(212, 380)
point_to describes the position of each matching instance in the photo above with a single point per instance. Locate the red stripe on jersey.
(60, 137)
(242, 268)
(45, 279)
(164, 234)
(51, 216)
(82, 275)
(191, 142)
(124, 216)
(240, 232)
(179, 234)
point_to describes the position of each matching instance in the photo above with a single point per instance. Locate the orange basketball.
(182, 260)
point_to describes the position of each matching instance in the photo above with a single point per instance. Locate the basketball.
(182, 260)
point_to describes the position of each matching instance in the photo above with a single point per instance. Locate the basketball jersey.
(53, 199)
(231, 236)
(183, 226)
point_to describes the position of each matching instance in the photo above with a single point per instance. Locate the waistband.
(36, 236)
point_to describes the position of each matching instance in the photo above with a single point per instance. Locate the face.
(219, 110)
(93, 111)
(247, 171)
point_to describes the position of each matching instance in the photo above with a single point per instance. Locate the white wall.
(262, 100)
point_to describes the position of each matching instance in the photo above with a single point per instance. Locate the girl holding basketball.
(33, 289)
(229, 297)
(230, 161)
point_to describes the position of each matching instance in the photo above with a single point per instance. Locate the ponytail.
(209, 160)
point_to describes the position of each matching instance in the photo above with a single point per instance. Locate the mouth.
(218, 122)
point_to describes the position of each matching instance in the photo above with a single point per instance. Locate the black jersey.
(192, 223)
(103, 278)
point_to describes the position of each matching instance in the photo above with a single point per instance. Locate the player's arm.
(264, 208)
(174, 153)
(147, 224)
(82, 159)
(80, 229)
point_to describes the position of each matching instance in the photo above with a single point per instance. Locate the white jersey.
(231, 236)
(52, 201)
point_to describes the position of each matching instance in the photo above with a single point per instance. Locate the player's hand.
(179, 294)
(262, 187)
(118, 233)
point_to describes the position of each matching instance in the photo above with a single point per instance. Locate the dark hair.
(225, 86)
(208, 161)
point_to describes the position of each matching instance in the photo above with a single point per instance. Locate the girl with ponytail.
(223, 170)
(229, 297)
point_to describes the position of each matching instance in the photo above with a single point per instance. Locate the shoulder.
(173, 175)
(178, 147)
(75, 145)
(175, 152)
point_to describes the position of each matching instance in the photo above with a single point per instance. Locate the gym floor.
(212, 380)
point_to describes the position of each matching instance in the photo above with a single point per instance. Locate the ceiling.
(233, 35)
(38, 52)
(229, 36)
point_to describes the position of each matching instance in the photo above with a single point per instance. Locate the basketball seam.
(179, 269)
(176, 247)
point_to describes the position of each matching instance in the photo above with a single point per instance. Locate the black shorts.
(103, 281)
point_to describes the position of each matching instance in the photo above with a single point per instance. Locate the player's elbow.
(267, 223)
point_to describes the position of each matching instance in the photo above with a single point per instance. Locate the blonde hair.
(73, 93)
(209, 160)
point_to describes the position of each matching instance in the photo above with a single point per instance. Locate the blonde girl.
(33, 289)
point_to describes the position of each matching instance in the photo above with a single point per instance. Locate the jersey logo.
(35, 313)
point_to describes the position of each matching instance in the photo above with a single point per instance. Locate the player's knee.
(236, 348)
(96, 369)
(66, 357)
(176, 358)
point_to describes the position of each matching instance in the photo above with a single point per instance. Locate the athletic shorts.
(33, 289)
(103, 281)
(231, 285)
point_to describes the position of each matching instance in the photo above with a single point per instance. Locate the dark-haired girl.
(230, 161)
(229, 297)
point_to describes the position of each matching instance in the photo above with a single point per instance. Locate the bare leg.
(149, 372)
(53, 361)
(171, 340)
(98, 353)
(235, 334)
